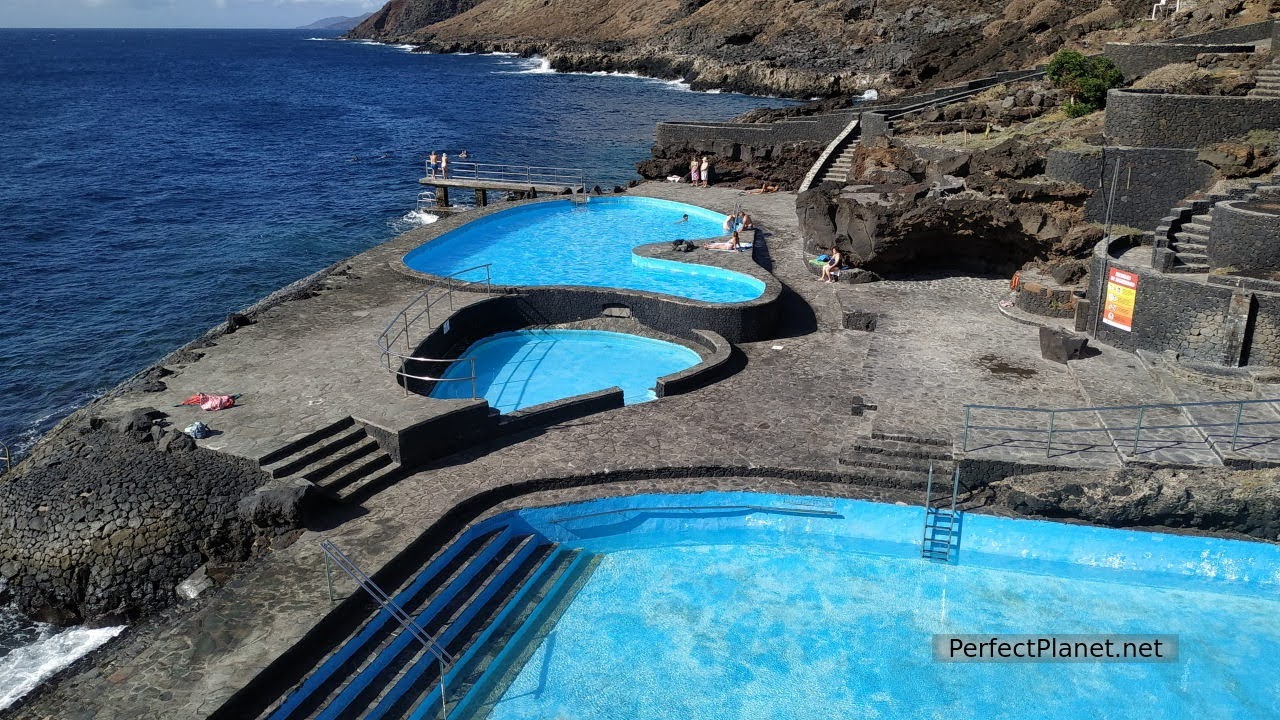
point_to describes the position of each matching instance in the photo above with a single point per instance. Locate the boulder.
(283, 504)
(173, 441)
(1060, 346)
(138, 420)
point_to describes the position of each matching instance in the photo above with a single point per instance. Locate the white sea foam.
(419, 217)
(26, 667)
(542, 66)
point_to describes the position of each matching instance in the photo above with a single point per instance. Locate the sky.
(176, 13)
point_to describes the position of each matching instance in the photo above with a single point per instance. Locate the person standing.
(433, 163)
(695, 172)
(444, 165)
(705, 169)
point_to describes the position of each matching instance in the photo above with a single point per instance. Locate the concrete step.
(899, 448)
(315, 456)
(1205, 219)
(918, 440)
(1264, 92)
(1196, 228)
(295, 446)
(1191, 237)
(1190, 268)
(1181, 247)
(1189, 258)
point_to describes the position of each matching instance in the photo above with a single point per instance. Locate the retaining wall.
(1138, 59)
(1149, 182)
(1213, 323)
(1137, 118)
(1244, 238)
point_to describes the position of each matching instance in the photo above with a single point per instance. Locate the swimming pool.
(760, 614)
(733, 605)
(566, 243)
(520, 369)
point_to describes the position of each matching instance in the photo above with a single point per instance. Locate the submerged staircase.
(341, 458)
(942, 521)
(478, 610)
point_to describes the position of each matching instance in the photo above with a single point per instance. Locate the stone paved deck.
(940, 344)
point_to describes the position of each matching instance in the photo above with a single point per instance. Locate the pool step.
(332, 674)
(485, 675)
(443, 618)
(341, 457)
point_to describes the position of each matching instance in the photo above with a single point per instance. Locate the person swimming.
(683, 219)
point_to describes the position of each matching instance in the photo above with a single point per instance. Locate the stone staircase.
(1268, 80)
(900, 460)
(838, 170)
(487, 602)
(342, 458)
(1182, 238)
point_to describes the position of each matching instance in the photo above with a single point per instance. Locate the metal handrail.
(334, 556)
(8, 457)
(1142, 410)
(530, 174)
(401, 326)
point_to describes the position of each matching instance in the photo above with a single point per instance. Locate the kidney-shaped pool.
(571, 243)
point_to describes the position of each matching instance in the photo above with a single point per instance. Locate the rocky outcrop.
(105, 519)
(797, 48)
(784, 164)
(909, 208)
(1216, 500)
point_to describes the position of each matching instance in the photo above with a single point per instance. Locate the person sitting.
(733, 243)
(745, 222)
(831, 271)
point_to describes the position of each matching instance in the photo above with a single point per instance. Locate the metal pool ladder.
(334, 556)
(941, 522)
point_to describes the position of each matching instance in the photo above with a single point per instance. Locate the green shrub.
(1085, 79)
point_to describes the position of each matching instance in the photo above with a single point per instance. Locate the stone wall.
(1138, 59)
(1150, 180)
(1204, 322)
(101, 522)
(1163, 120)
(1245, 237)
(1252, 32)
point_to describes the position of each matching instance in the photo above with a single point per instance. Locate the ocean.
(152, 181)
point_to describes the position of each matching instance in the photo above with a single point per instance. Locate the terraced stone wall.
(1138, 59)
(1243, 237)
(1150, 181)
(1147, 119)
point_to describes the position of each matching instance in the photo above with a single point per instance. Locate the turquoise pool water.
(762, 614)
(563, 243)
(520, 369)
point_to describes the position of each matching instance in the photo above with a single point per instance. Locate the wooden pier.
(483, 177)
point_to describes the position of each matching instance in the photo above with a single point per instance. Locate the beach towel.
(211, 402)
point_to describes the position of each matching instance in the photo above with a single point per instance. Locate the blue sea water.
(153, 181)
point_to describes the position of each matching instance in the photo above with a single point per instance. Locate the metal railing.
(334, 556)
(7, 456)
(1142, 410)
(400, 330)
(522, 174)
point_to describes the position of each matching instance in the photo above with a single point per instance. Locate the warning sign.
(1122, 290)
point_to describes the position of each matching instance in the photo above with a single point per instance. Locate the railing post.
(408, 348)
(1235, 431)
(964, 438)
(1137, 431)
(1048, 444)
(328, 576)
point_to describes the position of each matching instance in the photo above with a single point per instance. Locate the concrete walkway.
(789, 413)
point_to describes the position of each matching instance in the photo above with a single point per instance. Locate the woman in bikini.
(831, 271)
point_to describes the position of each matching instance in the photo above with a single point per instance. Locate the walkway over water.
(483, 177)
